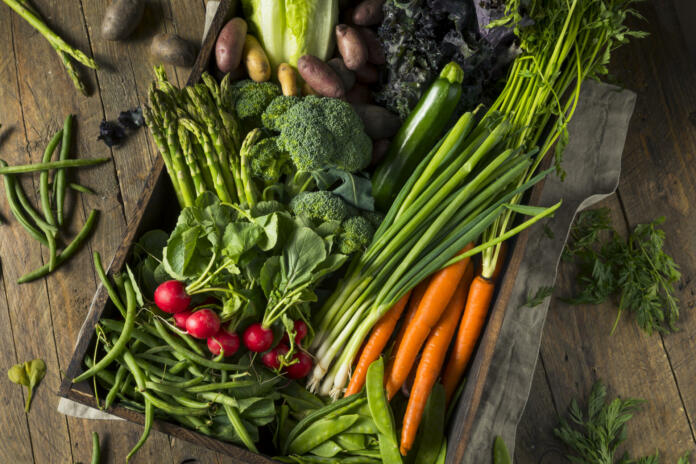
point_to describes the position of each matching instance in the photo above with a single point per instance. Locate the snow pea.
(328, 449)
(381, 412)
(351, 441)
(321, 431)
(433, 427)
(364, 425)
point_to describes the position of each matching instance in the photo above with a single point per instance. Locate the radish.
(171, 297)
(226, 341)
(301, 368)
(203, 323)
(270, 358)
(180, 319)
(300, 330)
(257, 338)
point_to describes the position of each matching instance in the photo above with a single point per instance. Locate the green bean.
(59, 178)
(180, 366)
(219, 398)
(155, 371)
(212, 387)
(81, 188)
(16, 210)
(189, 403)
(236, 421)
(149, 417)
(168, 408)
(123, 339)
(163, 360)
(191, 356)
(319, 432)
(46, 200)
(134, 369)
(189, 341)
(127, 385)
(29, 209)
(107, 284)
(106, 376)
(117, 326)
(121, 373)
(184, 384)
(96, 451)
(66, 253)
(315, 415)
(370, 454)
(70, 163)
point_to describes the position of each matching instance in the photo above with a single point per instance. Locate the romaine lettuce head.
(288, 29)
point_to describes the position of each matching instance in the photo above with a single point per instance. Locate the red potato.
(351, 46)
(320, 77)
(375, 52)
(368, 13)
(230, 44)
(368, 74)
(359, 93)
(380, 123)
(347, 76)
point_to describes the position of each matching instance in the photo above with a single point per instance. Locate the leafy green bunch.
(637, 270)
(263, 263)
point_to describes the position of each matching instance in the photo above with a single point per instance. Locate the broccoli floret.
(375, 218)
(320, 133)
(252, 98)
(277, 108)
(321, 206)
(356, 235)
(267, 162)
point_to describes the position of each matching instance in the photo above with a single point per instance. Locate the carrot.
(378, 339)
(442, 286)
(471, 325)
(413, 302)
(432, 359)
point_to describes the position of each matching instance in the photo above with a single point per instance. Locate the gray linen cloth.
(593, 163)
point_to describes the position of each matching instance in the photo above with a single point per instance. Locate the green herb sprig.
(637, 271)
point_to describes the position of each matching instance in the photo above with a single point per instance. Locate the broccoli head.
(267, 162)
(276, 109)
(375, 218)
(321, 133)
(356, 235)
(252, 98)
(321, 206)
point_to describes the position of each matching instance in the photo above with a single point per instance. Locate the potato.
(288, 80)
(368, 74)
(379, 149)
(307, 90)
(380, 123)
(172, 49)
(256, 60)
(359, 93)
(320, 77)
(368, 13)
(121, 18)
(375, 53)
(230, 44)
(347, 76)
(351, 46)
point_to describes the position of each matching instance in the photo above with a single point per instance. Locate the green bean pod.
(39, 167)
(321, 431)
(96, 450)
(60, 173)
(149, 418)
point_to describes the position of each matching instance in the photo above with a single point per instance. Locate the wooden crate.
(155, 210)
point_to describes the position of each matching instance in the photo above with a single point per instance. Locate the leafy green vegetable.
(637, 271)
(28, 374)
(288, 29)
(538, 297)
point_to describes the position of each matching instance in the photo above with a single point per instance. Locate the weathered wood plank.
(660, 162)
(579, 349)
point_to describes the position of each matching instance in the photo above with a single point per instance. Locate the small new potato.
(380, 123)
(172, 49)
(368, 74)
(121, 18)
(320, 77)
(255, 60)
(230, 44)
(346, 75)
(368, 13)
(288, 80)
(351, 46)
(375, 52)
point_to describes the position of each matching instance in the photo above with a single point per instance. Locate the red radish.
(226, 341)
(180, 319)
(270, 358)
(301, 368)
(203, 323)
(257, 338)
(171, 297)
(300, 330)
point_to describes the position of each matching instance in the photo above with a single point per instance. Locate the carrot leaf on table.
(637, 271)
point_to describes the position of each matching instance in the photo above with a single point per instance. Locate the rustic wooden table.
(42, 319)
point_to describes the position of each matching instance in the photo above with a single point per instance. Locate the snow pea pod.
(319, 432)
(433, 427)
(328, 449)
(364, 425)
(351, 441)
(381, 412)
(123, 339)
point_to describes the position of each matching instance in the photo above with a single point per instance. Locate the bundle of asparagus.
(198, 138)
(62, 48)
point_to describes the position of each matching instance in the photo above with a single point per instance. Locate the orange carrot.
(413, 302)
(432, 359)
(378, 339)
(442, 286)
(471, 325)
